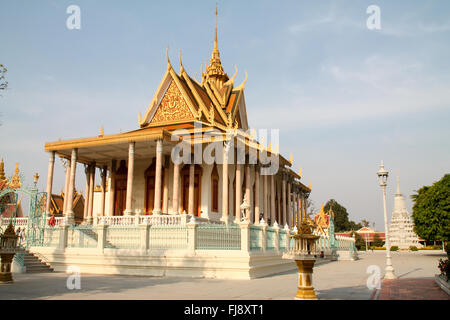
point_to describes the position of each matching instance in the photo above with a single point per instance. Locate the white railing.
(155, 220)
(23, 221)
(18, 222)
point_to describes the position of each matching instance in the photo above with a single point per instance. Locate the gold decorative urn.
(303, 250)
(8, 243)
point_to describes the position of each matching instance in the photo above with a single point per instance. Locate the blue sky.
(343, 96)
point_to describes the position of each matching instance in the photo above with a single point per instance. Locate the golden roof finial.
(291, 158)
(2, 171)
(309, 185)
(300, 172)
(15, 180)
(102, 133)
(167, 56)
(181, 64)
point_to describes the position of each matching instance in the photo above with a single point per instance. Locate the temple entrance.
(150, 187)
(185, 189)
(120, 191)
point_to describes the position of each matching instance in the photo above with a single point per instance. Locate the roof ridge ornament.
(169, 65)
(242, 85)
(181, 64)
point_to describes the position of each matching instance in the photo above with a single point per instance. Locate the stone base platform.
(216, 264)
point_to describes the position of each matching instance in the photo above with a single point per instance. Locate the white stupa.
(401, 229)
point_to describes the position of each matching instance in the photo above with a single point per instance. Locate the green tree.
(360, 244)
(431, 210)
(365, 223)
(341, 222)
(377, 241)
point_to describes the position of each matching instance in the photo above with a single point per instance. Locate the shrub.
(379, 248)
(394, 248)
(413, 248)
(436, 247)
(444, 267)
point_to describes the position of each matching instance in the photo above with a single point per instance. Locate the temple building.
(10, 205)
(193, 152)
(401, 228)
(57, 206)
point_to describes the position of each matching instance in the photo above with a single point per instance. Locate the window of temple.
(215, 189)
(185, 188)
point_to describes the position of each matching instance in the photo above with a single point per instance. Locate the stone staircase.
(34, 264)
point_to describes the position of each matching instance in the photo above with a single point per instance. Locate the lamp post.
(382, 178)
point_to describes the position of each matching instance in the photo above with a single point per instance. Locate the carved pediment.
(173, 107)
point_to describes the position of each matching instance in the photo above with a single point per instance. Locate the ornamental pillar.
(112, 186)
(283, 193)
(73, 167)
(158, 174)
(91, 192)
(128, 203)
(51, 166)
(86, 193)
(265, 200)
(272, 200)
(247, 190)
(238, 196)
(225, 184)
(256, 195)
(66, 185)
(102, 204)
(289, 205)
(165, 191)
(191, 189)
(176, 187)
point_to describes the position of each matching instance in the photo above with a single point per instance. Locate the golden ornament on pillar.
(8, 243)
(303, 250)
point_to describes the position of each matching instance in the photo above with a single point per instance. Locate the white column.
(191, 189)
(66, 185)
(289, 205)
(73, 167)
(272, 200)
(158, 176)
(247, 189)
(238, 196)
(51, 166)
(265, 199)
(91, 192)
(225, 184)
(102, 204)
(128, 204)
(86, 194)
(176, 186)
(283, 198)
(112, 186)
(165, 191)
(257, 211)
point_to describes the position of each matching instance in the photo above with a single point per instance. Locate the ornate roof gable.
(171, 103)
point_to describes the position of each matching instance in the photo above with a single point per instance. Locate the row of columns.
(291, 201)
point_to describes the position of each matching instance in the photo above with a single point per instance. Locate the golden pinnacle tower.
(215, 70)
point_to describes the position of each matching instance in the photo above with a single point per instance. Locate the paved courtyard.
(332, 280)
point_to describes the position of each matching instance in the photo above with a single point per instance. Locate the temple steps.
(35, 265)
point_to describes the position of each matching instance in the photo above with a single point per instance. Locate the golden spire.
(215, 34)
(215, 69)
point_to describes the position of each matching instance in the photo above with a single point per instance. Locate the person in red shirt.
(51, 222)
